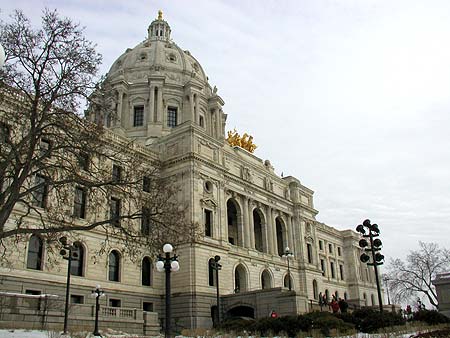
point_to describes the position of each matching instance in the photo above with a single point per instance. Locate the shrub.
(369, 320)
(430, 317)
(325, 322)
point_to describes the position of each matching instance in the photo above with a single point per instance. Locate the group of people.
(336, 305)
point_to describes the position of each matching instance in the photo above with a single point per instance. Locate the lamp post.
(67, 252)
(216, 266)
(97, 293)
(168, 264)
(288, 255)
(373, 247)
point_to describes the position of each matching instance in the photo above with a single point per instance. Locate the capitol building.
(249, 216)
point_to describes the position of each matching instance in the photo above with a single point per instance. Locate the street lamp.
(68, 252)
(373, 247)
(288, 255)
(167, 264)
(97, 293)
(216, 266)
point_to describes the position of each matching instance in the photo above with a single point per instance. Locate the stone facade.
(250, 214)
(442, 284)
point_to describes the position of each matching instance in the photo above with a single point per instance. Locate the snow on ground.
(49, 334)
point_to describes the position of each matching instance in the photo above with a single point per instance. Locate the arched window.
(281, 236)
(76, 268)
(240, 279)
(286, 280)
(232, 217)
(35, 250)
(114, 266)
(372, 299)
(258, 230)
(365, 299)
(266, 280)
(345, 296)
(315, 294)
(146, 271)
(211, 273)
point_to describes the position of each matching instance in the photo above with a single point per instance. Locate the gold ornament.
(245, 142)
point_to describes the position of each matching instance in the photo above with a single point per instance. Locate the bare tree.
(413, 276)
(59, 172)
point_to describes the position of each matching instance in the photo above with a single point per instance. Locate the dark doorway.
(241, 311)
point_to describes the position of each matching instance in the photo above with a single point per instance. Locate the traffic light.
(379, 257)
(377, 243)
(364, 258)
(363, 243)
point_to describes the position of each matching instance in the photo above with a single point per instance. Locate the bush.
(369, 320)
(237, 325)
(325, 322)
(431, 317)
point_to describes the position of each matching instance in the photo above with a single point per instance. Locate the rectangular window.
(341, 271)
(320, 245)
(116, 173)
(79, 204)
(33, 292)
(147, 306)
(333, 275)
(114, 302)
(83, 161)
(172, 113)
(309, 249)
(330, 248)
(5, 132)
(322, 266)
(145, 221)
(138, 119)
(44, 148)
(208, 223)
(146, 184)
(339, 250)
(76, 299)
(114, 211)
(40, 192)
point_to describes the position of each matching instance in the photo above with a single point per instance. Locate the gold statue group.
(245, 142)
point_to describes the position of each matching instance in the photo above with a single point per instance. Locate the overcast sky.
(351, 97)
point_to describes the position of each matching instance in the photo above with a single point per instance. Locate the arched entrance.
(240, 279)
(258, 230)
(241, 311)
(233, 212)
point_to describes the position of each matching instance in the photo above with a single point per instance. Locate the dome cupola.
(159, 29)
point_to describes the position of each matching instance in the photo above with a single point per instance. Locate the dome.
(156, 88)
(158, 54)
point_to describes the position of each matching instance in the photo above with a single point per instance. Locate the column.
(274, 235)
(246, 222)
(250, 224)
(268, 230)
(290, 235)
(160, 112)
(197, 109)
(119, 111)
(218, 123)
(191, 104)
(151, 104)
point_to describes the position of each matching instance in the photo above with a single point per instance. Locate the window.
(40, 192)
(138, 119)
(76, 268)
(83, 161)
(79, 204)
(339, 250)
(114, 266)
(114, 211)
(341, 271)
(35, 250)
(172, 113)
(44, 147)
(5, 132)
(33, 292)
(330, 248)
(208, 222)
(333, 275)
(116, 173)
(76, 299)
(315, 293)
(147, 306)
(309, 249)
(114, 302)
(146, 184)
(145, 222)
(146, 271)
(322, 266)
(201, 121)
(320, 245)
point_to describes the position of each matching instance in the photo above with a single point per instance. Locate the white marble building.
(250, 214)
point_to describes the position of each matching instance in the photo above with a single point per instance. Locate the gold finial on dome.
(160, 15)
